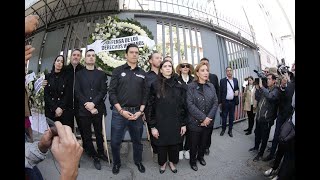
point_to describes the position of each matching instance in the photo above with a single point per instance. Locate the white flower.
(134, 31)
(108, 35)
(114, 56)
(96, 29)
(130, 30)
(113, 36)
(117, 33)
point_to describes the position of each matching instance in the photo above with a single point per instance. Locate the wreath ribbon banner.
(117, 44)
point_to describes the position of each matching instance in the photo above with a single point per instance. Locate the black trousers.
(171, 151)
(154, 147)
(66, 119)
(279, 122)
(86, 122)
(185, 145)
(262, 132)
(250, 118)
(209, 138)
(198, 142)
(287, 168)
(279, 156)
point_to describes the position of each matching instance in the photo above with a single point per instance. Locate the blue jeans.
(228, 108)
(33, 174)
(118, 127)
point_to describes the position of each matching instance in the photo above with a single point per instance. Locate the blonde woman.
(250, 103)
(202, 104)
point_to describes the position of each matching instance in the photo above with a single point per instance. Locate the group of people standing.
(179, 107)
(266, 103)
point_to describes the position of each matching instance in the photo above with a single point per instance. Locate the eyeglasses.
(184, 65)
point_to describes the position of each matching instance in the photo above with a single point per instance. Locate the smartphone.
(52, 127)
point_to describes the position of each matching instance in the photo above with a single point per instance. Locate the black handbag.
(236, 98)
(287, 131)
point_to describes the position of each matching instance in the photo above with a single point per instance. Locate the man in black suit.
(90, 89)
(228, 99)
(215, 81)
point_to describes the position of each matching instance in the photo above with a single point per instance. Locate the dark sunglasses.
(184, 65)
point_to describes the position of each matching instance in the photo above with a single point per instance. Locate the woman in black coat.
(167, 115)
(202, 103)
(55, 93)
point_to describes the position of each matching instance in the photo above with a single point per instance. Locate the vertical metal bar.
(240, 77)
(191, 44)
(178, 43)
(171, 41)
(197, 45)
(163, 39)
(185, 42)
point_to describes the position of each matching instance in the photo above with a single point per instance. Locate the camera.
(260, 74)
(282, 69)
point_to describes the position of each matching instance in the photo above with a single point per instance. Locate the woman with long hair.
(250, 103)
(167, 115)
(55, 93)
(202, 103)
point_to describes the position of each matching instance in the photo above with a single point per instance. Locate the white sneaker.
(181, 155)
(275, 178)
(268, 172)
(187, 154)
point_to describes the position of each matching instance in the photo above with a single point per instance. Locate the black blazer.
(87, 91)
(55, 93)
(215, 81)
(223, 89)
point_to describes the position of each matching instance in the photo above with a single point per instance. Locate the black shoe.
(222, 133)
(253, 149)
(96, 163)
(140, 167)
(194, 167)
(246, 130)
(206, 151)
(162, 171)
(257, 158)
(202, 162)
(230, 133)
(268, 158)
(103, 157)
(173, 170)
(248, 133)
(116, 168)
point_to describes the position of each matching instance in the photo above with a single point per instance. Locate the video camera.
(282, 69)
(261, 76)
